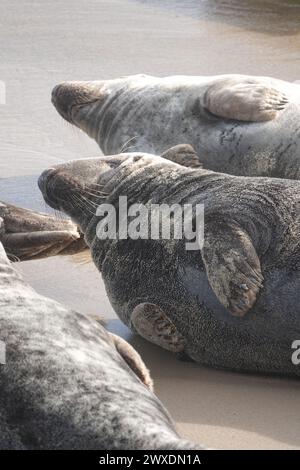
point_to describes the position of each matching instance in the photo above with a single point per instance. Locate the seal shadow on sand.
(248, 402)
(275, 18)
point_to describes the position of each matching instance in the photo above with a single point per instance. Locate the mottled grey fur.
(65, 384)
(238, 124)
(250, 261)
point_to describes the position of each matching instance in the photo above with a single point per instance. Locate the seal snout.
(64, 97)
(67, 97)
(45, 182)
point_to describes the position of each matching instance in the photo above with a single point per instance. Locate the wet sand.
(45, 42)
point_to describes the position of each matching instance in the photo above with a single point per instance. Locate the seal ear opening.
(183, 154)
(133, 360)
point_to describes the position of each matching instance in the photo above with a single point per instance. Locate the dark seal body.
(252, 226)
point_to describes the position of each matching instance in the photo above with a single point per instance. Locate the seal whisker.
(89, 205)
(75, 199)
(88, 201)
(125, 145)
(90, 191)
(100, 186)
(82, 205)
(76, 202)
(79, 203)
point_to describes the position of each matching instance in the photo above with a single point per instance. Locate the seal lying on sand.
(238, 124)
(68, 383)
(236, 303)
(27, 234)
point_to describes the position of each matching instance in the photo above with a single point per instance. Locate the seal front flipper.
(184, 155)
(153, 324)
(133, 360)
(232, 265)
(247, 99)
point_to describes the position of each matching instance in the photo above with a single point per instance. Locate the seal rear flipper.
(133, 360)
(154, 325)
(33, 245)
(28, 234)
(232, 266)
(184, 155)
(248, 99)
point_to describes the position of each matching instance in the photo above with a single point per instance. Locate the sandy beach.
(45, 42)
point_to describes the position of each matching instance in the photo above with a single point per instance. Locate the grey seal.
(238, 124)
(69, 384)
(234, 304)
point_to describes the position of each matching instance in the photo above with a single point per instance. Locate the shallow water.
(274, 17)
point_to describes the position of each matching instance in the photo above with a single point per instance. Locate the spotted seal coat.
(238, 124)
(234, 304)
